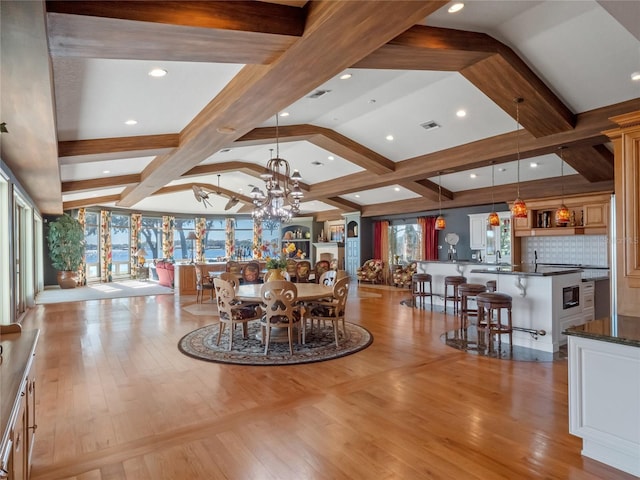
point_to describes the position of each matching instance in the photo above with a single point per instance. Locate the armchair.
(401, 276)
(371, 271)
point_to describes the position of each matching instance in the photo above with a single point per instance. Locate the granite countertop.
(453, 262)
(622, 329)
(526, 270)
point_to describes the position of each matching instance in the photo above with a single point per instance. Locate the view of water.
(123, 255)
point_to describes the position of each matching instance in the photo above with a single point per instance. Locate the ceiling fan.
(202, 195)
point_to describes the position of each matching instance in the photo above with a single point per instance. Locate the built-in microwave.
(570, 297)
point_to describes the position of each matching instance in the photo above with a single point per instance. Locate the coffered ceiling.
(233, 66)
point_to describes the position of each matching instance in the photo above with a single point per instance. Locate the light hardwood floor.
(117, 400)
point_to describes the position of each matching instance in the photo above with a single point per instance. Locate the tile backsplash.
(574, 249)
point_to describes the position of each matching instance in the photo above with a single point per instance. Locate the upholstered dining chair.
(303, 270)
(251, 273)
(231, 311)
(202, 284)
(320, 267)
(234, 267)
(332, 310)
(328, 278)
(281, 310)
(291, 269)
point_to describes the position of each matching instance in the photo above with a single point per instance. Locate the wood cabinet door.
(596, 215)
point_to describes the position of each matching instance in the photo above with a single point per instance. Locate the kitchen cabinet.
(300, 233)
(358, 243)
(478, 231)
(587, 300)
(18, 401)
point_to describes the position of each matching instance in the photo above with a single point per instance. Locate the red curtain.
(430, 237)
(380, 239)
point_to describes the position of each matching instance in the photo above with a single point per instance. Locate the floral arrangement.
(276, 263)
(289, 248)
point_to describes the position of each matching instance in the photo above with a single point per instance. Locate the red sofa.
(165, 273)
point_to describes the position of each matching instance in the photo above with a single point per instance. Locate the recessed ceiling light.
(502, 169)
(284, 114)
(106, 171)
(346, 76)
(157, 72)
(331, 157)
(389, 137)
(461, 113)
(473, 175)
(357, 196)
(397, 189)
(373, 100)
(533, 164)
(225, 130)
(131, 122)
(635, 76)
(456, 7)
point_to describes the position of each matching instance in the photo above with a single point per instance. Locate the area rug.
(320, 346)
(99, 291)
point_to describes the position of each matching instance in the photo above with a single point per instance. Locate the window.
(92, 242)
(151, 236)
(120, 244)
(183, 248)
(270, 239)
(404, 243)
(214, 239)
(243, 240)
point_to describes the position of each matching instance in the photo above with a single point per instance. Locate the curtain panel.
(257, 239)
(229, 246)
(81, 274)
(429, 247)
(135, 244)
(106, 261)
(201, 236)
(168, 223)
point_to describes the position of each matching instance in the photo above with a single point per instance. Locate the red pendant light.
(494, 219)
(441, 224)
(519, 209)
(563, 215)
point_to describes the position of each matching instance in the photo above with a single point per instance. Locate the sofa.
(401, 275)
(371, 271)
(165, 273)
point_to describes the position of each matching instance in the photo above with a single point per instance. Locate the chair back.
(231, 278)
(328, 278)
(198, 270)
(321, 267)
(303, 269)
(234, 267)
(291, 267)
(279, 298)
(225, 295)
(251, 272)
(340, 293)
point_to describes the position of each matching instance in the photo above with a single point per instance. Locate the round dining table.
(306, 291)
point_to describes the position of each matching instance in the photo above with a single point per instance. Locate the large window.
(404, 243)
(151, 236)
(92, 251)
(243, 240)
(183, 248)
(214, 239)
(120, 244)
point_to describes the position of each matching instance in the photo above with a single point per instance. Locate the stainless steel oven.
(570, 297)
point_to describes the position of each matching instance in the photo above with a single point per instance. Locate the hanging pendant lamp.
(441, 224)
(563, 215)
(519, 209)
(494, 219)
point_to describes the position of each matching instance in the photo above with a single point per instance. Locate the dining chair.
(202, 284)
(303, 270)
(281, 310)
(231, 311)
(328, 278)
(234, 267)
(251, 273)
(332, 311)
(291, 269)
(320, 267)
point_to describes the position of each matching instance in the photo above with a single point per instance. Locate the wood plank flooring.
(117, 400)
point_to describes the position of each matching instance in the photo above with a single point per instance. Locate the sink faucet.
(498, 257)
(535, 257)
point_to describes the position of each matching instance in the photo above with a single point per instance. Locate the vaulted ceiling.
(233, 66)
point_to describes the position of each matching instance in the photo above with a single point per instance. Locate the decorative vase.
(276, 274)
(66, 279)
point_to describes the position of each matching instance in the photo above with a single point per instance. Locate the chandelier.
(441, 223)
(494, 218)
(519, 209)
(282, 198)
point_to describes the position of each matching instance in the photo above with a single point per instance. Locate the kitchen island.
(604, 390)
(546, 300)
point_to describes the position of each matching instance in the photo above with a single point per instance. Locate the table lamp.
(141, 254)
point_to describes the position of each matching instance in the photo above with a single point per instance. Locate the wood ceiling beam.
(101, 149)
(427, 189)
(96, 183)
(223, 32)
(89, 202)
(593, 163)
(257, 92)
(490, 65)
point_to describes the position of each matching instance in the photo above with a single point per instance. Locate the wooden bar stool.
(419, 282)
(491, 302)
(453, 281)
(467, 290)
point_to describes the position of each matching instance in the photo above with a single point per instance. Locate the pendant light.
(441, 224)
(494, 219)
(519, 209)
(563, 215)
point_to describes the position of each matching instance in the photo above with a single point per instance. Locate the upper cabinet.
(589, 216)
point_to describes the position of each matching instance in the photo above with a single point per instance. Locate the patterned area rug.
(320, 346)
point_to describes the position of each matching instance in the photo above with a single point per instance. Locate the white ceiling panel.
(392, 193)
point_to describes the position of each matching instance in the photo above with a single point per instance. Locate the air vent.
(430, 125)
(318, 93)
(225, 150)
(317, 163)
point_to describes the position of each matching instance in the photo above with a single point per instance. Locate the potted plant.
(66, 248)
(276, 265)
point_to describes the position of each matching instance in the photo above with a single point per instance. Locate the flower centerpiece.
(276, 265)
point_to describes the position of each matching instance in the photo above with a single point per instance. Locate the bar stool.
(467, 290)
(452, 281)
(492, 286)
(419, 283)
(491, 302)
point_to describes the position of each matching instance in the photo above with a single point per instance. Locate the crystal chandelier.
(282, 198)
(519, 209)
